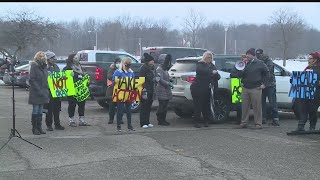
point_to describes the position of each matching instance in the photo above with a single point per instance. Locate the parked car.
(96, 63)
(183, 74)
(19, 72)
(176, 52)
(23, 75)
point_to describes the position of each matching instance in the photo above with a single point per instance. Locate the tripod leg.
(6, 142)
(19, 136)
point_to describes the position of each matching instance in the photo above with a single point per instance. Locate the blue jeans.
(269, 92)
(121, 107)
(37, 108)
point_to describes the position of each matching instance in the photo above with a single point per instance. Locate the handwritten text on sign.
(61, 83)
(236, 90)
(303, 84)
(127, 89)
(82, 89)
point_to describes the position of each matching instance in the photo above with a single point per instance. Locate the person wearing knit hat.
(308, 108)
(269, 91)
(253, 79)
(147, 70)
(54, 104)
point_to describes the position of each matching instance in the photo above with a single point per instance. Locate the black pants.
(112, 110)
(53, 107)
(146, 105)
(307, 109)
(72, 107)
(162, 110)
(201, 103)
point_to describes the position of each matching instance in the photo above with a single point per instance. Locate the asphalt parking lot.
(179, 151)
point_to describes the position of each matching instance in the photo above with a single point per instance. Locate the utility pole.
(225, 39)
(235, 47)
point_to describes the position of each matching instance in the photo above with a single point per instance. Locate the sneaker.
(73, 124)
(119, 130)
(110, 122)
(131, 129)
(59, 127)
(264, 121)
(197, 125)
(258, 126)
(150, 125)
(145, 126)
(163, 123)
(243, 125)
(49, 128)
(275, 123)
(84, 123)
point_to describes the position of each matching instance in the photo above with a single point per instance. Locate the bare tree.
(25, 29)
(289, 26)
(192, 24)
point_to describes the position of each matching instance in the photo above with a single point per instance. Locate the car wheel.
(103, 104)
(135, 107)
(183, 114)
(220, 106)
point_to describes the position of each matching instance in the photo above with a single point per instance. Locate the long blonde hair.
(205, 55)
(40, 58)
(125, 60)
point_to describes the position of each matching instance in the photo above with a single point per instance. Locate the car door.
(282, 86)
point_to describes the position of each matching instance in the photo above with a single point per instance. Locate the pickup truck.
(96, 63)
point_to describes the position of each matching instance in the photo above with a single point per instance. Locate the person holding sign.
(147, 70)
(307, 108)
(163, 89)
(112, 105)
(123, 72)
(253, 81)
(54, 104)
(39, 90)
(79, 77)
(206, 73)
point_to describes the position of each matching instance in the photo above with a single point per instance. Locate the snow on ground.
(292, 65)
(1, 82)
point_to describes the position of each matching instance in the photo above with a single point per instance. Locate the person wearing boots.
(39, 90)
(206, 73)
(269, 90)
(124, 107)
(54, 104)
(78, 73)
(253, 77)
(163, 89)
(147, 70)
(112, 105)
(308, 108)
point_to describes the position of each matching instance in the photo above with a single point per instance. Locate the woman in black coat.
(206, 73)
(78, 73)
(38, 91)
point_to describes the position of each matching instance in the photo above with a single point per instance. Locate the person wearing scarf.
(74, 64)
(308, 108)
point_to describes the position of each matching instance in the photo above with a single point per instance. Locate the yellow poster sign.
(128, 89)
(61, 83)
(236, 90)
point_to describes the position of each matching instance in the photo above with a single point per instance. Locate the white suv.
(183, 73)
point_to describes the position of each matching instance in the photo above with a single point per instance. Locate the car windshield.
(184, 66)
(226, 64)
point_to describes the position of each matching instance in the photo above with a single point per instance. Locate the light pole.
(225, 39)
(96, 47)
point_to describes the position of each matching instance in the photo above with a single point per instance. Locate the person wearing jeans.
(39, 90)
(123, 71)
(269, 90)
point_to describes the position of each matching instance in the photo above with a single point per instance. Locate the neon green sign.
(61, 83)
(236, 90)
(82, 89)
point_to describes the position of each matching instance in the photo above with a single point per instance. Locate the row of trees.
(286, 35)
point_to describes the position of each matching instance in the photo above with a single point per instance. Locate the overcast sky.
(257, 13)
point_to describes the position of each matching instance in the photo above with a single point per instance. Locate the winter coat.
(163, 89)
(120, 73)
(254, 74)
(270, 79)
(204, 77)
(76, 76)
(110, 73)
(39, 89)
(149, 74)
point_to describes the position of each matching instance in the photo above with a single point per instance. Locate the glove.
(171, 85)
(262, 86)
(214, 71)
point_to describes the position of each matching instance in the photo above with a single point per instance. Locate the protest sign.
(303, 84)
(82, 88)
(236, 90)
(127, 89)
(61, 83)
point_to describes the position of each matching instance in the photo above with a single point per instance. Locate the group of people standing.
(157, 85)
(41, 98)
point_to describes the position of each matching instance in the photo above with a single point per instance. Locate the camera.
(12, 62)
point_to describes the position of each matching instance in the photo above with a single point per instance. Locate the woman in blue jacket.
(123, 71)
